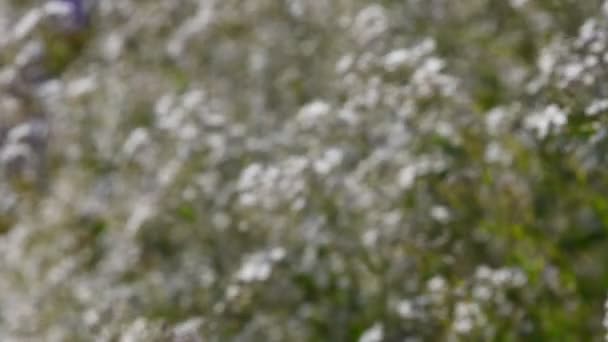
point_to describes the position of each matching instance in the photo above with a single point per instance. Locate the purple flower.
(74, 14)
(78, 12)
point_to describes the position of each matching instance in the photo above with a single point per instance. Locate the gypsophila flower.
(386, 170)
(552, 117)
(374, 334)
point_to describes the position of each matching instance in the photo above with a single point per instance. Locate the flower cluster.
(303, 170)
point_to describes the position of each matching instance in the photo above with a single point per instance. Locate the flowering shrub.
(303, 170)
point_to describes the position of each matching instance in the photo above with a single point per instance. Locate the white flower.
(518, 3)
(373, 334)
(142, 211)
(258, 266)
(605, 320)
(437, 284)
(467, 315)
(329, 160)
(344, 64)
(596, 107)
(370, 23)
(138, 137)
(28, 23)
(495, 119)
(407, 176)
(313, 111)
(255, 268)
(541, 122)
(81, 86)
(405, 309)
(249, 176)
(440, 213)
(370, 238)
(396, 58)
(495, 153)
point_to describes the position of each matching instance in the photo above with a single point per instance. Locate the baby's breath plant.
(290, 170)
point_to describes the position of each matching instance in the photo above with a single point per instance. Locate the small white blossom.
(517, 3)
(542, 122)
(437, 284)
(370, 23)
(596, 107)
(467, 315)
(138, 138)
(310, 113)
(406, 309)
(258, 266)
(329, 160)
(397, 58)
(440, 213)
(373, 334)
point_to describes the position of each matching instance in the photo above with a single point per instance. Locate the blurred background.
(291, 170)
